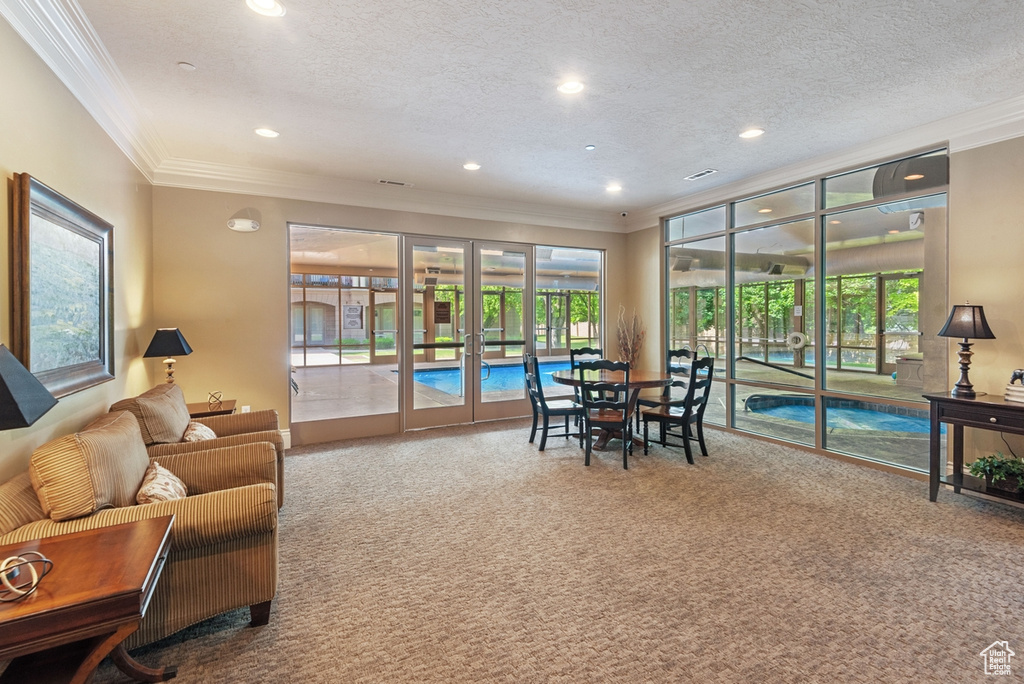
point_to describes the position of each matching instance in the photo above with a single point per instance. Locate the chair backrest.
(698, 388)
(584, 354)
(677, 364)
(533, 385)
(603, 392)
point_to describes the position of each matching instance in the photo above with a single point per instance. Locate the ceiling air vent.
(400, 184)
(701, 174)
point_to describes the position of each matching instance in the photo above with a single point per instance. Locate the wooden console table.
(92, 600)
(986, 412)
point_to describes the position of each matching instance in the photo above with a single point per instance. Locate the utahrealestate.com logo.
(997, 658)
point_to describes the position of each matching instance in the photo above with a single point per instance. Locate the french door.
(468, 304)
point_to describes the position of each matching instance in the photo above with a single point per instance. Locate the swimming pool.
(508, 377)
(801, 409)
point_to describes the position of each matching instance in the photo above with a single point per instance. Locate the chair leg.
(646, 424)
(626, 442)
(586, 454)
(544, 434)
(533, 430)
(700, 437)
(567, 426)
(686, 446)
(259, 613)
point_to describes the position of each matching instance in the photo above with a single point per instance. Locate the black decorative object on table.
(1017, 375)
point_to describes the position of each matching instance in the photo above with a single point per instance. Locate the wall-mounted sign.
(352, 317)
(442, 313)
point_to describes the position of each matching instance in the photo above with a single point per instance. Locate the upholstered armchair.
(224, 539)
(163, 421)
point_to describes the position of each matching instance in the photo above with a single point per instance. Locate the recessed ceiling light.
(570, 87)
(914, 176)
(893, 232)
(268, 8)
(614, 187)
(766, 210)
(752, 133)
(185, 66)
(835, 222)
(267, 132)
(470, 166)
(590, 148)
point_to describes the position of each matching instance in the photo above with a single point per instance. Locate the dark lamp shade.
(168, 342)
(23, 399)
(967, 321)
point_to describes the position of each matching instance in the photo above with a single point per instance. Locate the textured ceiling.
(410, 90)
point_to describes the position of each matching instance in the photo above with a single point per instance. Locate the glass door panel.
(501, 280)
(440, 356)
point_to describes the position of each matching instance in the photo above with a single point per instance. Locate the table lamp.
(967, 322)
(23, 399)
(168, 342)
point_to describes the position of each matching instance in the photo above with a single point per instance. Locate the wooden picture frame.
(62, 262)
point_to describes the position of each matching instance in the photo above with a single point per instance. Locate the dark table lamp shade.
(23, 399)
(168, 342)
(967, 321)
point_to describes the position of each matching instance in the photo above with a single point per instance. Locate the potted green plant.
(1000, 472)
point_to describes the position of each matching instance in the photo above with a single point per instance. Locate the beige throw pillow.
(160, 484)
(161, 412)
(197, 432)
(100, 467)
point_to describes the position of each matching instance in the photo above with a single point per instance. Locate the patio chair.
(556, 408)
(688, 415)
(607, 404)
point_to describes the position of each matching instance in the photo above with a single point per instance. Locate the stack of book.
(1015, 393)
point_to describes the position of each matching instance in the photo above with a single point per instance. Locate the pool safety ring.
(796, 340)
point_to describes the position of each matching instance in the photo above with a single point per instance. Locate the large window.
(823, 300)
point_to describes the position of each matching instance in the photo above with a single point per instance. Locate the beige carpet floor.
(464, 555)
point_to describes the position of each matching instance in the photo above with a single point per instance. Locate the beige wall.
(644, 253)
(47, 134)
(228, 292)
(986, 266)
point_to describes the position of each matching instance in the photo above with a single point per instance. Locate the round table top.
(639, 378)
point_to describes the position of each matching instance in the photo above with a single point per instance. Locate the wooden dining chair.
(677, 364)
(689, 416)
(607, 405)
(582, 354)
(544, 409)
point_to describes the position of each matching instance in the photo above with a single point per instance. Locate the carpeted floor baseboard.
(464, 555)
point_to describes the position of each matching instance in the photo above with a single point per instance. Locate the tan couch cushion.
(161, 412)
(19, 504)
(100, 467)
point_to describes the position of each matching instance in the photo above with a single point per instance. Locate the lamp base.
(963, 388)
(170, 370)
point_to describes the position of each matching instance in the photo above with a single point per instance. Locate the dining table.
(639, 379)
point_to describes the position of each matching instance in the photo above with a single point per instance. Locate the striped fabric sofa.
(224, 552)
(163, 418)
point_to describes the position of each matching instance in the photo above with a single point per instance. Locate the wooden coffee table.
(92, 600)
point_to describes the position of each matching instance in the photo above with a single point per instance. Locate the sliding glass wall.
(821, 301)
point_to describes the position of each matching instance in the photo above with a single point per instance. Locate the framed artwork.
(62, 262)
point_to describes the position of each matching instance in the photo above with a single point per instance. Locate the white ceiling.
(409, 90)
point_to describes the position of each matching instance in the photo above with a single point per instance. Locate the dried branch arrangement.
(632, 334)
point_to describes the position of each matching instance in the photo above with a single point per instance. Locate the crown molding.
(975, 128)
(195, 175)
(59, 32)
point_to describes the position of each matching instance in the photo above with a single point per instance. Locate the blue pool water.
(510, 377)
(850, 418)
